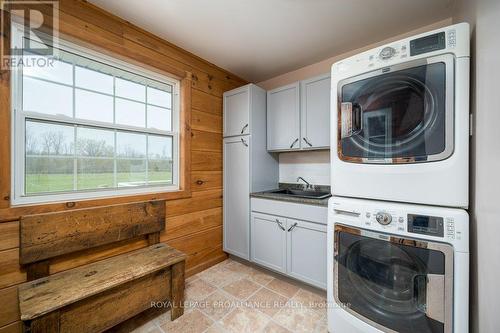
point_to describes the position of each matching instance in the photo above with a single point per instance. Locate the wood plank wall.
(194, 223)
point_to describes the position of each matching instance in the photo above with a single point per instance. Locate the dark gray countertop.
(289, 198)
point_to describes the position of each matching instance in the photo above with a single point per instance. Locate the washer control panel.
(410, 222)
(401, 220)
(426, 225)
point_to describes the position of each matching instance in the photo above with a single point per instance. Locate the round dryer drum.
(400, 116)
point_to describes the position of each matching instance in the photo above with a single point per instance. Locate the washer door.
(399, 114)
(395, 284)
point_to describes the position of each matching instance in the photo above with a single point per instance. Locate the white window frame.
(18, 131)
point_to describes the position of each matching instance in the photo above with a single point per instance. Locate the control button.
(401, 219)
(401, 228)
(387, 53)
(383, 218)
(368, 215)
(452, 41)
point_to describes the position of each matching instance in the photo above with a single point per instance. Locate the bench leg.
(48, 323)
(177, 290)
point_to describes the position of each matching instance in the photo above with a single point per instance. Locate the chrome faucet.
(306, 185)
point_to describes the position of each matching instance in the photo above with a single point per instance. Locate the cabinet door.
(269, 241)
(283, 118)
(306, 252)
(315, 112)
(236, 196)
(237, 111)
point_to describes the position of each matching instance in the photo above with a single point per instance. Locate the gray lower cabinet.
(268, 241)
(290, 246)
(306, 252)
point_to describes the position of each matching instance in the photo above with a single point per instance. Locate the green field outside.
(36, 183)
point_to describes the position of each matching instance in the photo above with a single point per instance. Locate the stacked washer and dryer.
(398, 231)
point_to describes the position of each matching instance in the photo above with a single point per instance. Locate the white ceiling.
(259, 39)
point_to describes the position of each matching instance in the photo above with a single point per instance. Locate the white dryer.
(402, 117)
(396, 267)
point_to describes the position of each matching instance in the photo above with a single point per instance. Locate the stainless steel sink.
(310, 194)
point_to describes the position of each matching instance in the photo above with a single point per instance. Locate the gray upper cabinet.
(315, 112)
(237, 112)
(298, 115)
(283, 118)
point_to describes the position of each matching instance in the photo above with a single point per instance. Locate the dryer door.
(395, 284)
(398, 114)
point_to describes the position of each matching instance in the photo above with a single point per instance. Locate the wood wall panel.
(206, 103)
(204, 121)
(184, 225)
(9, 235)
(205, 180)
(14, 327)
(10, 271)
(194, 222)
(206, 141)
(206, 161)
(10, 313)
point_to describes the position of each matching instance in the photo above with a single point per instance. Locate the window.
(90, 126)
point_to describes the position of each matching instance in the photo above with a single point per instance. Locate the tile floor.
(235, 297)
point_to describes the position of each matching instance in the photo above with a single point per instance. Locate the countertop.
(289, 198)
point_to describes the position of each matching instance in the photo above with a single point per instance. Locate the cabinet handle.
(244, 142)
(280, 225)
(243, 129)
(293, 143)
(292, 227)
(305, 139)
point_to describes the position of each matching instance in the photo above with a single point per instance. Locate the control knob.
(387, 53)
(383, 218)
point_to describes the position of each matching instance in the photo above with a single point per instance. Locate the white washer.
(402, 117)
(396, 267)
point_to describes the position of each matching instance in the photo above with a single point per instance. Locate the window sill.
(16, 211)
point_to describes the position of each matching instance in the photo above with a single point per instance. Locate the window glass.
(93, 106)
(59, 71)
(49, 157)
(93, 80)
(159, 97)
(46, 97)
(159, 159)
(130, 113)
(95, 158)
(129, 89)
(159, 118)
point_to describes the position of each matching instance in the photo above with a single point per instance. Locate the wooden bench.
(97, 296)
